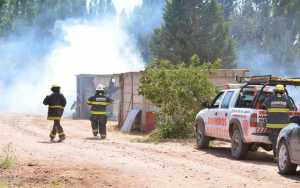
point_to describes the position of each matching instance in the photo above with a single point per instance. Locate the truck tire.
(202, 140)
(253, 147)
(239, 149)
(284, 164)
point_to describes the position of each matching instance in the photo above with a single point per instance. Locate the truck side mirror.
(206, 104)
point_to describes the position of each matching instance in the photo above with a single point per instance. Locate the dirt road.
(124, 161)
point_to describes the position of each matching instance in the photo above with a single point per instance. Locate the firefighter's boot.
(62, 137)
(52, 135)
(103, 136)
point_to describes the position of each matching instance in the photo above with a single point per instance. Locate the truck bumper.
(258, 138)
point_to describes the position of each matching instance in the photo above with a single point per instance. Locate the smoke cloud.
(30, 66)
(260, 63)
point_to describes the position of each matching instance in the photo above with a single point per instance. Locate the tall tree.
(193, 27)
(228, 6)
(141, 23)
(17, 15)
(269, 28)
(8, 14)
(101, 8)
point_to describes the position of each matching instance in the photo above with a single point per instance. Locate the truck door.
(224, 113)
(211, 123)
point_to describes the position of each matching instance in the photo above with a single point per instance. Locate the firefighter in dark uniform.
(98, 113)
(56, 103)
(278, 107)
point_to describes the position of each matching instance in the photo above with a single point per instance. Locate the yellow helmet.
(279, 88)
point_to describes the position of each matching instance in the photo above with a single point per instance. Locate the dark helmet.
(55, 88)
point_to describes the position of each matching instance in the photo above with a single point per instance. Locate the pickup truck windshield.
(227, 99)
(217, 101)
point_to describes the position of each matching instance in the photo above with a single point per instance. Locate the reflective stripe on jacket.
(278, 112)
(98, 104)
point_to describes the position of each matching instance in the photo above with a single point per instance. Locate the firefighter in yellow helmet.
(56, 103)
(98, 114)
(278, 106)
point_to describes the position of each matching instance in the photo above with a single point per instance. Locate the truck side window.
(227, 99)
(217, 101)
(246, 98)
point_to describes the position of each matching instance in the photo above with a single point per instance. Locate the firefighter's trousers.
(57, 129)
(273, 138)
(99, 125)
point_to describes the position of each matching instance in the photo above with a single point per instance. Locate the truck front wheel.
(239, 149)
(202, 140)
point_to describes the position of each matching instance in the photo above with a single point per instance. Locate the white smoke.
(260, 63)
(86, 47)
(126, 5)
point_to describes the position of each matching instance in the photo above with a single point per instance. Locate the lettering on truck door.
(212, 116)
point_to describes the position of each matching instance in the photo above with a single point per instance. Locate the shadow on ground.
(93, 138)
(295, 177)
(48, 142)
(257, 158)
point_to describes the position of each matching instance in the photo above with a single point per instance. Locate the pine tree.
(228, 6)
(101, 8)
(142, 22)
(193, 27)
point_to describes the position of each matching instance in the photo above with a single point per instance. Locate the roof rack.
(268, 80)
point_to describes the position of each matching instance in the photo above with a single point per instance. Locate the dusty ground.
(123, 161)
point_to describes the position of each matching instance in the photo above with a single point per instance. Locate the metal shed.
(123, 89)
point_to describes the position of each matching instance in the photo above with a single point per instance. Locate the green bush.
(179, 91)
(165, 130)
(7, 158)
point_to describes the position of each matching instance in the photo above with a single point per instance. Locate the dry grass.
(56, 184)
(3, 185)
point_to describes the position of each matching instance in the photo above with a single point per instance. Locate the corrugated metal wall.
(130, 98)
(125, 92)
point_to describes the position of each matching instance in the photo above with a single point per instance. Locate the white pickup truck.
(235, 115)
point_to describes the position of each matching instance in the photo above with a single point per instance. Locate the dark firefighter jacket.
(278, 108)
(56, 103)
(98, 104)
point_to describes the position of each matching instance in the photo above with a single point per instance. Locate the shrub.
(179, 91)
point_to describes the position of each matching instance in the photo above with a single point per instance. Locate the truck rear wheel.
(239, 149)
(202, 140)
